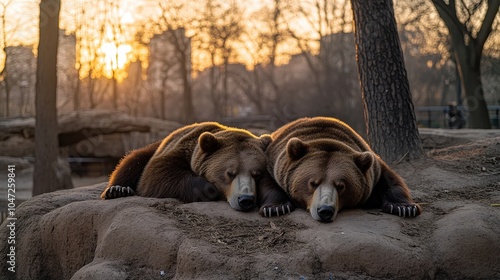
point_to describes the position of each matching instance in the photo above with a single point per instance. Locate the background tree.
(336, 85)
(172, 19)
(271, 38)
(164, 75)
(90, 32)
(467, 43)
(113, 21)
(4, 4)
(48, 175)
(389, 113)
(425, 43)
(221, 26)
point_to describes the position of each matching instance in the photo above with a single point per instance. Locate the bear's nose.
(325, 213)
(246, 202)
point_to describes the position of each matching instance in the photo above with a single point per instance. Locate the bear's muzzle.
(242, 195)
(324, 205)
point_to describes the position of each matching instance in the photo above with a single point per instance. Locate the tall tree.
(47, 175)
(333, 68)
(222, 25)
(271, 38)
(164, 73)
(90, 32)
(389, 113)
(467, 45)
(113, 21)
(172, 19)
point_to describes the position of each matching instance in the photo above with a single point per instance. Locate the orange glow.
(115, 59)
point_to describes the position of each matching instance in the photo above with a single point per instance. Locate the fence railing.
(439, 117)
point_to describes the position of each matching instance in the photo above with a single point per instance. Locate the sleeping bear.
(325, 166)
(203, 162)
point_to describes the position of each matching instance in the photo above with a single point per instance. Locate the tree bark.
(49, 174)
(388, 108)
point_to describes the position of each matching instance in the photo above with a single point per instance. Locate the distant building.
(21, 69)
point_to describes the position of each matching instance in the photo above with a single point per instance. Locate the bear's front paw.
(117, 191)
(402, 210)
(276, 210)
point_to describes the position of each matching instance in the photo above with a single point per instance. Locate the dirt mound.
(480, 157)
(246, 237)
(74, 235)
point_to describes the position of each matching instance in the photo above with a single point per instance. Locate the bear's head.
(324, 176)
(234, 161)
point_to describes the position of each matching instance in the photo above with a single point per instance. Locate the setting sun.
(114, 58)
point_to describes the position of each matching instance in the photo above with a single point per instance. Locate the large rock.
(73, 235)
(86, 133)
(460, 257)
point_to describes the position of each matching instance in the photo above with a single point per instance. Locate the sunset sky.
(22, 18)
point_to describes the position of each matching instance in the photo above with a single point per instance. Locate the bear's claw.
(404, 211)
(117, 191)
(271, 211)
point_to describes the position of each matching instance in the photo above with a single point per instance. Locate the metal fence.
(439, 116)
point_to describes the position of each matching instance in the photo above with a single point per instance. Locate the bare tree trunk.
(182, 47)
(188, 108)
(476, 104)
(7, 94)
(48, 175)
(468, 51)
(389, 113)
(115, 90)
(76, 92)
(214, 96)
(91, 91)
(226, 110)
(163, 93)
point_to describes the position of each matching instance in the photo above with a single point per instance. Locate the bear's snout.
(325, 213)
(324, 204)
(242, 193)
(246, 202)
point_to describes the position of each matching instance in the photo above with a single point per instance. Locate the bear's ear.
(208, 142)
(265, 140)
(296, 149)
(364, 161)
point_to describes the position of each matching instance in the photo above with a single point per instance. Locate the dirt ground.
(456, 237)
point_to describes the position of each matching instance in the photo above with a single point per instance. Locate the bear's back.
(310, 129)
(185, 139)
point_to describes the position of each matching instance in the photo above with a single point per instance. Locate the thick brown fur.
(202, 162)
(325, 166)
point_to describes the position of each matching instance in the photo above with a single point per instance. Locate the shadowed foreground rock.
(73, 235)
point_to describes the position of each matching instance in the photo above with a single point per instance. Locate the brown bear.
(203, 162)
(325, 166)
